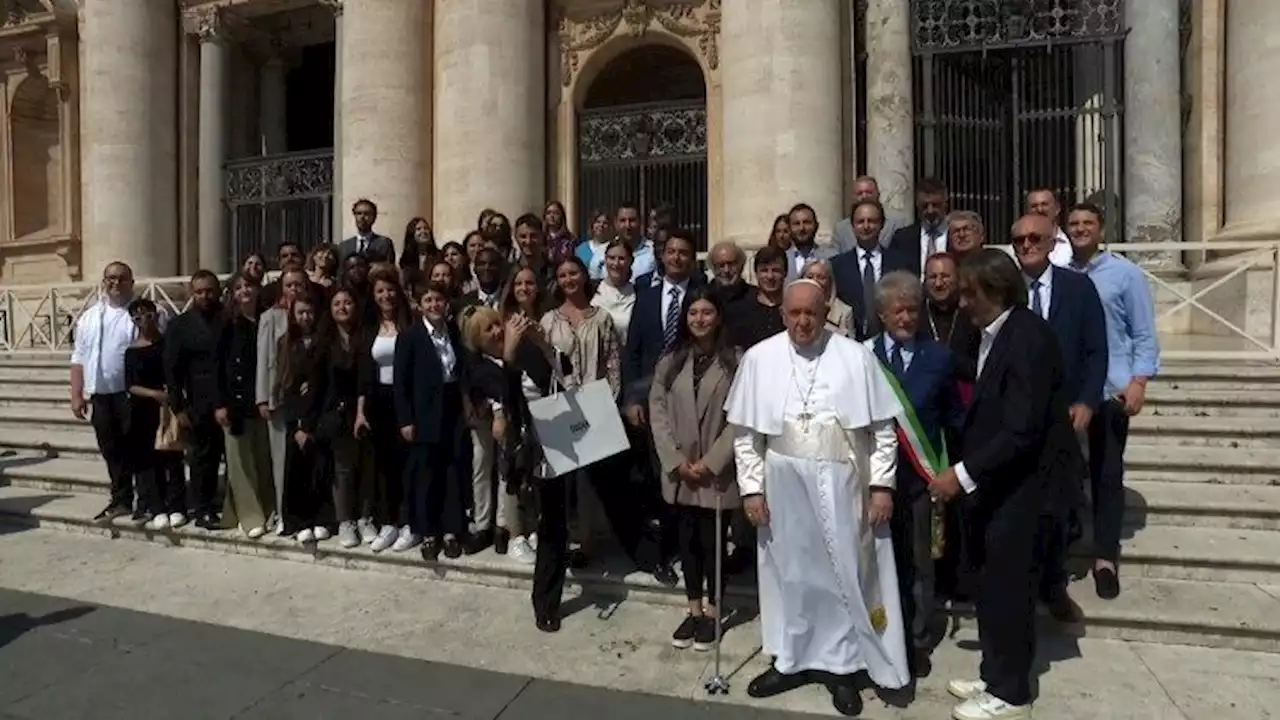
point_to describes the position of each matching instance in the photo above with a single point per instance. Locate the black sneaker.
(140, 518)
(683, 636)
(704, 636)
(110, 513)
(208, 521)
(501, 539)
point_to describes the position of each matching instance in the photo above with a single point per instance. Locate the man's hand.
(361, 426)
(881, 507)
(756, 509)
(1133, 397)
(635, 415)
(223, 417)
(79, 407)
(184, 420)
(264, 412)
(946, 486)
(684, 471)
(407, 432)
(702, 473)
(1080, 417)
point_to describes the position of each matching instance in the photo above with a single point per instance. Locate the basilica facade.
(178, 134)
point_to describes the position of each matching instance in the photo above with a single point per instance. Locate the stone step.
(1202, 464)
(1214, 432)
(40, 417)
(20, 375)
(39, 395)
(69, 441)
(1203, 553)
(1213, 403)
(58, 361)
(1199, 505)
(1206, 613)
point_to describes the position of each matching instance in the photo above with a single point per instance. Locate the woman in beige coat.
(694, 444)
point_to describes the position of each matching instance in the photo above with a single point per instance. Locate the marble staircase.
(1201, 547)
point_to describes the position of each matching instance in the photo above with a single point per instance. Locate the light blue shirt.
(908, 350)
(1132, 347)
(644, 260)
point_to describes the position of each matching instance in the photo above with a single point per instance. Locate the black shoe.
(431, 550)
(738, 562)
(452, 549)
(704, 637)
(577, 559)
(922, 663)
(140, 518)
(478, 542)
(771, 682)
(1107, 583)
(110, 513)
(845, 698)
(683, 636)
(1063, 608)
(548, 624)
(501, 539)
(208, 521)
(665, 575)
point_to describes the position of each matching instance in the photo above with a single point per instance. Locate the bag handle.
(558, 384)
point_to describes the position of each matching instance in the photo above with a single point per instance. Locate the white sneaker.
(159, 522)
(386, 538)
(177, 520)
(407, 540)
(520, 551)
(533, 541)
(305, 535)
(965, 689)
(985, 706)
(322, 532)
(280, 528)
(347, 536)
(367, 531)
(255, 533)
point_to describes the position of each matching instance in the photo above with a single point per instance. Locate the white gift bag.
(577, 427)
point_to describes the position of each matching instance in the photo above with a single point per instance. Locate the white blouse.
(619, 302)
(384, 356)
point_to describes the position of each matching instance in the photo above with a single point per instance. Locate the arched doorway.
(642, 137)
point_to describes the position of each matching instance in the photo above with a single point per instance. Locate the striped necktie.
(671, 325)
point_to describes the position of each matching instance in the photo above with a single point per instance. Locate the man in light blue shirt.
(1133, 358)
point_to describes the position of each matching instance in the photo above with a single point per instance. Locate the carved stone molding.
(334, 5)
(208, 23)
(697, 21)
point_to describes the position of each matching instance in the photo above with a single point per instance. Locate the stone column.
(338, 211)
(490, 124)
(128, 133)
(781, 99)
(386, 98)
(890, 120)
(272, 91)
(1153, 124)
(214, 251)
(1252, 164)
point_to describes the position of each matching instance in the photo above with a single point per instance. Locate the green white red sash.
(928, 461)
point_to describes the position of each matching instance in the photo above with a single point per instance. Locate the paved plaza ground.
(95, 628)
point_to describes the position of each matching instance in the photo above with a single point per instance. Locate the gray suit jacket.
(820, 252)
(380, 249)
(843, 236)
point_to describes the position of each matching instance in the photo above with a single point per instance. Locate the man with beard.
(804, 249)
(191, 375)
(727, 262)
(917, 242)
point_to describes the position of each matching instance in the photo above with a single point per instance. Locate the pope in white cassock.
(816, 457)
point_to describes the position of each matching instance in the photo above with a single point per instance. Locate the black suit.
(191, 374)
(645, 338)
(378, 248)
(846, 273)
(905, 244)
(1018, 443)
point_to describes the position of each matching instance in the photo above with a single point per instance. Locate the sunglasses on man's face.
(1029, 238)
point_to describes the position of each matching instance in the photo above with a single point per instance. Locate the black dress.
(307, 493)
(158, 474)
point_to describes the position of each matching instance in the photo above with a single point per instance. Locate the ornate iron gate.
(648, 154)
(1014, 95)
(274, 197)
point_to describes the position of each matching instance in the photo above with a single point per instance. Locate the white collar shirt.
(929, 246)
(1061, 254)
(103, 333)
(1044, 290)
(875, 256)
(989, 335)
(444, 350)
(668, 297)
(906, 349)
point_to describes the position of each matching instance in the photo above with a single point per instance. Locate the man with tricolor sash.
(922, 375)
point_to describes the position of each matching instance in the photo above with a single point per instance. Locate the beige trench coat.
(685, 429)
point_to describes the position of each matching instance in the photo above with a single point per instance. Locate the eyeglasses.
(1031, 238)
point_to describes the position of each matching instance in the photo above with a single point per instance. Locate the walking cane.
(717, 685)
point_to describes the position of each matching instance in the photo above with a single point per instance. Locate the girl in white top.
(616, 294)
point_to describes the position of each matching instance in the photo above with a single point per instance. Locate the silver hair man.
(898, 285)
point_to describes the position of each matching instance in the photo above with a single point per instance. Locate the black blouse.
(751, 321)
(302, 399)
(237, 368)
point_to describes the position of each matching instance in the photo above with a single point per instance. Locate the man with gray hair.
(865, 189)
(816, 456)
(965, 234)
(727, 262)
(922, 373)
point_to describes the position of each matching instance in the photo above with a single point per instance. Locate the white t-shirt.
(384, 356)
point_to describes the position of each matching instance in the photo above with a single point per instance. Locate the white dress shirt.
(1045, 291)
(876, 257)
(682, 287)
(619, 303)
(1062, 253)
(989, 335)
(444, 350)
(907, 350)
(929, 246)
(490, 300)
(103, 333)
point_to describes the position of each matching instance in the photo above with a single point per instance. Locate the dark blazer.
(191, 363)
(420, 381)
(905, 244)
(846, 272)
(1076, 316)
(963, 342)
(380, 249)
(302, 400)
(645, 340)
(930, 387)
(237, 370)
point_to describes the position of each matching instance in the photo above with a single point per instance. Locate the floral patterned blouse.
(592, 347)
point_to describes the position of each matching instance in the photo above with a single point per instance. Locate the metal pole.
(718, 685)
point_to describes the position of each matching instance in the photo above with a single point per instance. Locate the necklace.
(806, 394)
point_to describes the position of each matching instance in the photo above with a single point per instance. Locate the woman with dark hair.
(592, 252)
(322, 267)
(780, 233)
(694, 444)
(483, 220)
(273, 324)
(376, 411)
(254, 267)
(526, 295)
(250, 488)
(616, 294)
(499, 235)
(158, 474)
(459, 258)
(341, 335)
(560, 240)
(301, 375)
(419, 250)
(445, 275)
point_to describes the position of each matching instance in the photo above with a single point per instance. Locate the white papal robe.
(828, 585)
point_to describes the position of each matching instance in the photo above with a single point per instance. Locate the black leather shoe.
(846, 699)
(922, 664)
(548, 624)
(501, 540)
(478, 542)
(577, 559)
(452, 549)
(1063, 608)
(1107, 583)
(665, 575)
(431, 550)
(208, 521)
(771, 682)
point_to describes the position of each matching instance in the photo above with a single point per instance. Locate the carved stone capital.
(697, 21)
(334, 5)
(208, 24)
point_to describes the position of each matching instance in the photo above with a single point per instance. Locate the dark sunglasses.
(1032, 238)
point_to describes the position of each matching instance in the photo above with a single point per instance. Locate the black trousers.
(1108, 434)
(1006, 601)
(307, 490)
(206, 447)
(110, 420)
(696, 528)
(1052, 541)
(157, 475)
(390, 452)
(553, 546)
(434, 473)
(911, 528)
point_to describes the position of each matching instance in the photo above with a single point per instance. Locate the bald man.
(816, 456)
